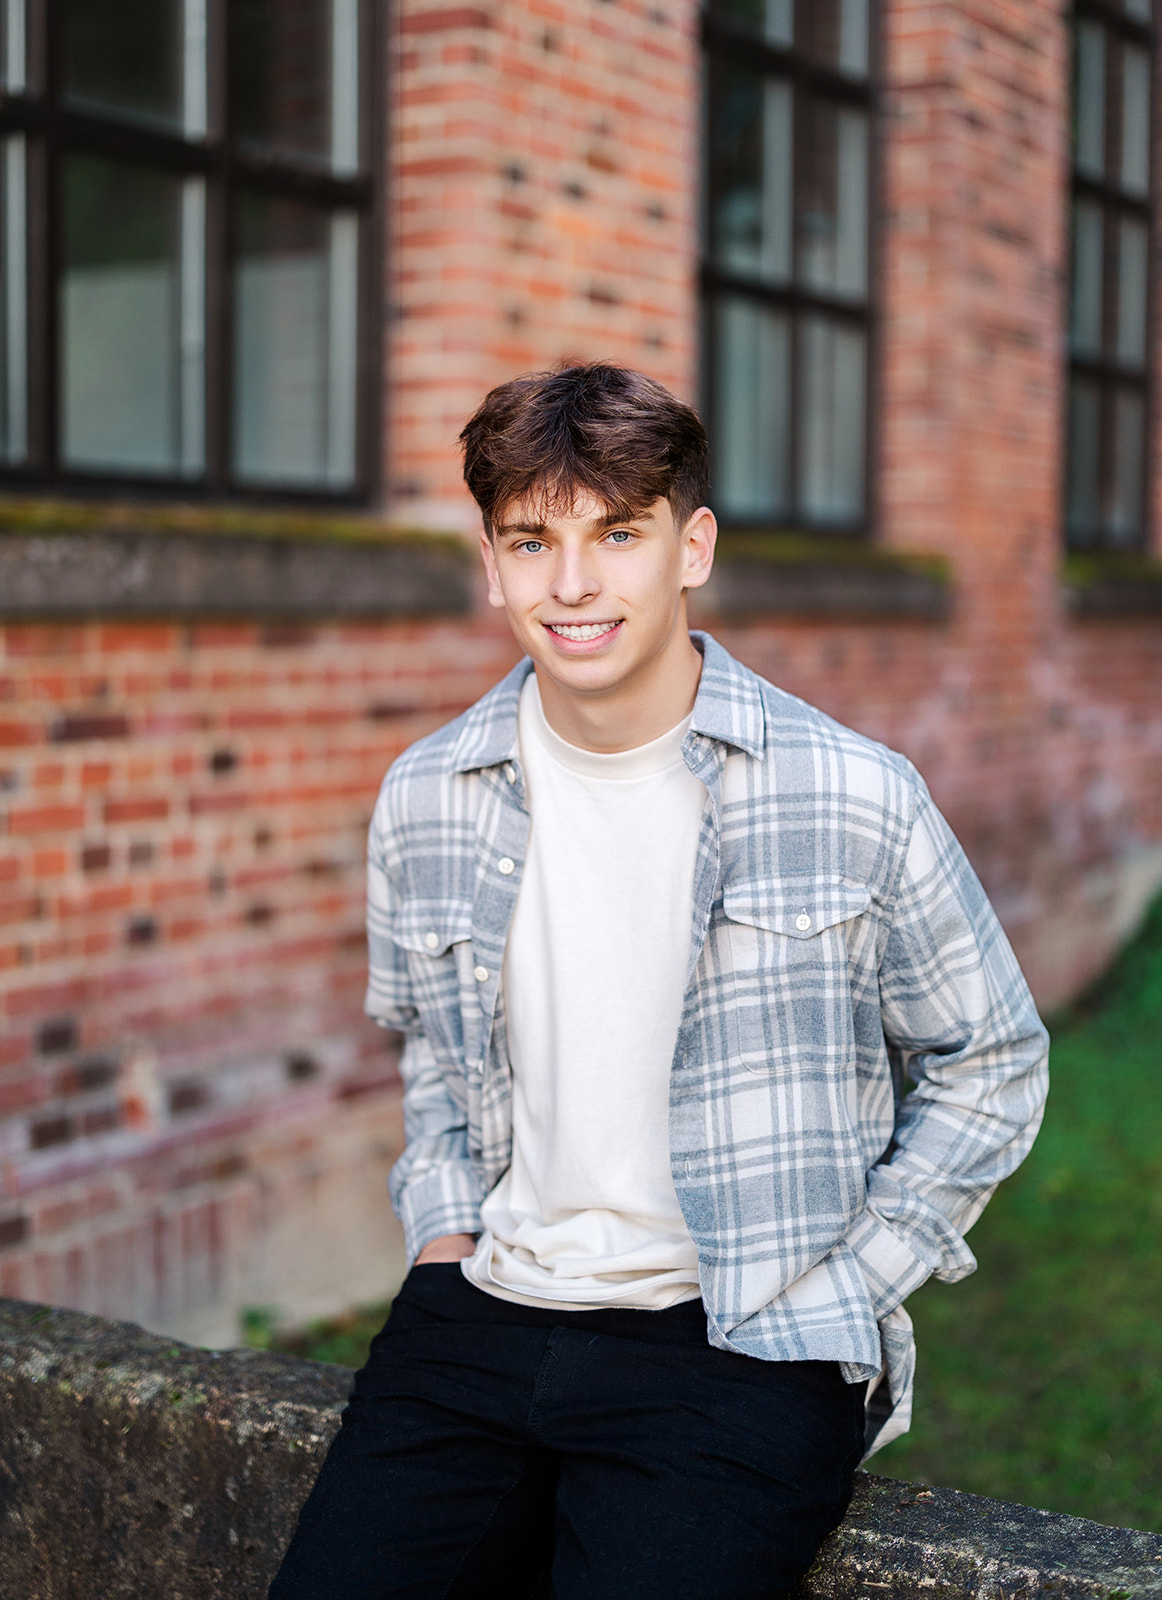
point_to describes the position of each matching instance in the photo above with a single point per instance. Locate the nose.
(575, 578)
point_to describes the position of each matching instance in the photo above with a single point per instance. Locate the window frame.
(53, 129)
(1105, 370)
(719, 38)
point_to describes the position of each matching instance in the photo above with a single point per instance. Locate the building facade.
(260, 260)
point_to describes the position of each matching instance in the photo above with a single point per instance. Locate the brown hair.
(551, 436)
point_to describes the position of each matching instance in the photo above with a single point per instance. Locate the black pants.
(486, 1442)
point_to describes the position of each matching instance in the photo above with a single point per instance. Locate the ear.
(698, 540)
(488, 556)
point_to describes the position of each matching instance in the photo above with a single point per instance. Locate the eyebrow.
(536, 529)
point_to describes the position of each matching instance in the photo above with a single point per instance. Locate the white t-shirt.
(594, 977)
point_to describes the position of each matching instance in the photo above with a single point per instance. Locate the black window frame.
(806, 76)
(52, 129)
(1106, 371)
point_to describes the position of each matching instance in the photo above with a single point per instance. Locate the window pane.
(833, 382)
(750, 154)
(124, 56)
(833, 206)
(12, 45)
(1124, 516)
(834, 32)
(1139, 9)
(294, 344)
(1090, 99)
(1085, 330)
(131, 385)
(14, 294)
(1083, 487)
(774, 19)
(294, 78)
(751, 413)
(1135, 121)
(1132, 252)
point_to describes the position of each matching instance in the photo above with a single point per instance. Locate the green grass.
(1040, 1377)
(342, 1340)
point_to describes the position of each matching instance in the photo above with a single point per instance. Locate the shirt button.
(480, 974)
(432, 940)
(506, 865)
(510, 773)
(802, 922)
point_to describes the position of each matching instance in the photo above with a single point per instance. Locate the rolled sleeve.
(954, 1001)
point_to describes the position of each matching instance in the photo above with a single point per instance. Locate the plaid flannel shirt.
(840, 943)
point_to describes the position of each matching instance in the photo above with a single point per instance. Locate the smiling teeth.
(582, 631)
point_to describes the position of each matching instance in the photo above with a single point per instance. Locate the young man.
(664, 941)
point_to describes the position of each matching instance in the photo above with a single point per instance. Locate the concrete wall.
(135, 1469)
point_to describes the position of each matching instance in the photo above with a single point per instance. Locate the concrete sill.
(784, 574)
(1108, 583)
(140, 1469)
(64, 560)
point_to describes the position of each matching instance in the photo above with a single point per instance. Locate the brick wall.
(193, 1115)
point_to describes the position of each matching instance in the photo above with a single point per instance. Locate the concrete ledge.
(133, 1468)
(1111, 583)
(793, 575)
(134, 573)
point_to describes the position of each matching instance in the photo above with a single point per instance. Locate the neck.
(632, 713)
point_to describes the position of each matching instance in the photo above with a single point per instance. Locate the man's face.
(597, 601)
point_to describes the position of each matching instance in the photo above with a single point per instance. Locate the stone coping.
(132, 572)
(1112, 583)
(788, 574)
(135, 1468)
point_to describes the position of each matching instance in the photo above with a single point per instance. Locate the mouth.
(583, 632)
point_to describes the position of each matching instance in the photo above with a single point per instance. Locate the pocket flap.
(430, 927)
(799, 910)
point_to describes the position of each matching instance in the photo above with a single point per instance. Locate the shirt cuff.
(891, 1269)
(444, 1199)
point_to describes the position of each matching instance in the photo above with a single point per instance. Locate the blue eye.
(620, 536)
(531, 545)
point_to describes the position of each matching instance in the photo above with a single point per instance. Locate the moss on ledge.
(1112, 583)
(788, 549)
(34, 515)
(793, 574)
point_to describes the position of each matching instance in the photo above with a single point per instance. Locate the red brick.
(50, 864)
(21, 908)
(45, 819)
(144, 809)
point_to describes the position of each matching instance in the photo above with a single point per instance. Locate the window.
(786, 264)
(185, 244)
(1105, 491)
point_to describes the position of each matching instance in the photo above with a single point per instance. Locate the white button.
(432, 940)
(510, 773)
(506, 865)
(802, 922)
(481, 974)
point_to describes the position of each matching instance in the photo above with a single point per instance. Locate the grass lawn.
(1040, 1377)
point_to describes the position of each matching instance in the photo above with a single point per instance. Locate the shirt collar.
(728, 707)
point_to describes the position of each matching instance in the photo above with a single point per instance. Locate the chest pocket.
(787, 950)
(437, 936)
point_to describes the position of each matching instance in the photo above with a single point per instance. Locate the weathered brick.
(89, 725)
